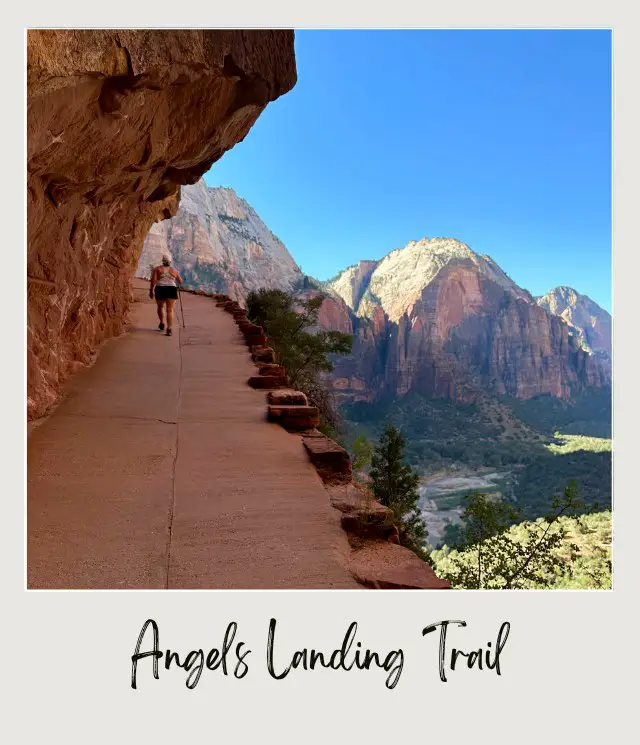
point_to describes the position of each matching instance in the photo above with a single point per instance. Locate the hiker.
(165, 280)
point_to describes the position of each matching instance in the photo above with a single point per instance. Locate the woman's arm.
(152, 282)
(177, 276)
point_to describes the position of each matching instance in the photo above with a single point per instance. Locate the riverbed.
(442, 497)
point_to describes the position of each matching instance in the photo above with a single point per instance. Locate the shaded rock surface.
(117, 122)
(387, 566)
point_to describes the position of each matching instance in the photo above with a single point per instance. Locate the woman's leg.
(160, 304)
(170, 304)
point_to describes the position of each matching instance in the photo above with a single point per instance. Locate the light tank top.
(165, 278)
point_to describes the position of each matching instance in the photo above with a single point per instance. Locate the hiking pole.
(181, 308)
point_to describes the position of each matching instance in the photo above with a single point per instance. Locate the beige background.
(568, 666)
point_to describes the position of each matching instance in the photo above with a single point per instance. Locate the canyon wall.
(219, 244)
(117, 122)
(437, 318)
(591, 323)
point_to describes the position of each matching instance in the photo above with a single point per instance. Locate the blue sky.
(501, 139)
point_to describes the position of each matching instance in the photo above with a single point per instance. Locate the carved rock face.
(117, 122)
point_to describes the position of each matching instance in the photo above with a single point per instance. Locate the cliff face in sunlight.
(437, 318)
(590, 323)
(117, 122)
(218, 243)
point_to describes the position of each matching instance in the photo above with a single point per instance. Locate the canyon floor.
(158, 470)
(442, 497)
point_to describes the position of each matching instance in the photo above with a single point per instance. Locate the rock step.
(266, 382)
(362, 515)
(287, 397)
(295, 418)
(260, 353)
(388, 566)
(272, 368)
(331, 461)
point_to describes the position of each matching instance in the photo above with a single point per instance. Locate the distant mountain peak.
(219, 243)
(396, 282)
(591, 323)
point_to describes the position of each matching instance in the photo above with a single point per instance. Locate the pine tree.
(395, 485)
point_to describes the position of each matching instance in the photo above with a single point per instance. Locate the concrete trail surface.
(158, 470)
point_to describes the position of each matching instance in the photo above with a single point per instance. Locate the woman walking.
(165, 280)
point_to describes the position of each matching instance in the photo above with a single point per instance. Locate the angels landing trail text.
(231, 656)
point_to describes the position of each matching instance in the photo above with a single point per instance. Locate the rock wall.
(117, 122)
(437, 318)
(590, 322)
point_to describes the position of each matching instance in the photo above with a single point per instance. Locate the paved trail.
(159, 470)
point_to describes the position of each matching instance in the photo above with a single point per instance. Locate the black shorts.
(164, 292)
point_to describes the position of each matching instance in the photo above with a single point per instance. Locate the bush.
(287, 321)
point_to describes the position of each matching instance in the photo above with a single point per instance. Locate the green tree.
(490, 555)
(395, 485)
(361, 451)
(291, 325)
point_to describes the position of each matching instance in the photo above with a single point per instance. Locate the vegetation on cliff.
(520, 438)
(575, 554)
(287, 321)
(395, 485)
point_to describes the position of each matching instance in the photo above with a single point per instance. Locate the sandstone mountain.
(437, 318)
(589, 321)
(433, 317)
(218, 243)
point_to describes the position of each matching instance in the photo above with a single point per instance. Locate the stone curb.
(368, 524)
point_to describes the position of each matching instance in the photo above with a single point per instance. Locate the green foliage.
(588, 414)
(445, 435)
(496, 555)
(442, 432)
(547, 473)
(361, 451)
(588, 567)
(288, 322)
(395, 485)
(575, 443)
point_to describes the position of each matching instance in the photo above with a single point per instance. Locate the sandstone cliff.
(117, 122)
(438, 318)
(219, 244)
(591, 323)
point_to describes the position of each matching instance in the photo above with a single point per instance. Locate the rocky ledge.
(376, 560)
(117, 122)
